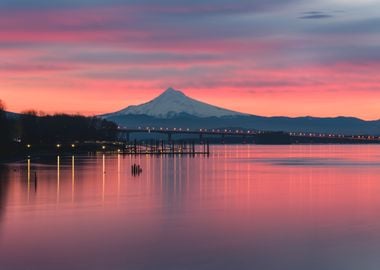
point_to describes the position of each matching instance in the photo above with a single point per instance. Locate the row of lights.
(332, 135)
(72, 146)
(104, 148)
(252, 132)
(57, 145)
(201, 130)
(228, 131)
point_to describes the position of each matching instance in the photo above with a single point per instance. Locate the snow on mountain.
(172, 107)
(172, 103)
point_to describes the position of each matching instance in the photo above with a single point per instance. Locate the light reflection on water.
(244, 207)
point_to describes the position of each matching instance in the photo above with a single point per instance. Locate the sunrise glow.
(291, 58)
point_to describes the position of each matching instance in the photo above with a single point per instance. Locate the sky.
(273, 57)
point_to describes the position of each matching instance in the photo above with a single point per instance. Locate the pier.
(165, 148)
(136, 147)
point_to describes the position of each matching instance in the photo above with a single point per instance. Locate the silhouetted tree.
(29, 127)
(64, 128)
(34, 128)
(4, 129)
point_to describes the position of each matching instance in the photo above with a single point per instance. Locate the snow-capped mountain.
(173, 109)
(172, 103)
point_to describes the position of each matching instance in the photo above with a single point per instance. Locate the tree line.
(33, 128)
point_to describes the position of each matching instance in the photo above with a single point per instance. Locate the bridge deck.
(249, 133)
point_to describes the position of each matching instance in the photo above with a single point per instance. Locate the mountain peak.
(172, 103)
(171, 89)
(172, 92)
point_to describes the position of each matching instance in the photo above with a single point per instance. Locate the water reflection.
(28, 183)
(103, 176)
(237, 209)
(58, 177)
(72, 178)
(4, 182)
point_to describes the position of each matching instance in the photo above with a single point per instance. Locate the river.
(242, 207)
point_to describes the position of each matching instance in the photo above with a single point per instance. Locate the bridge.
(244, 134)
(199, 132)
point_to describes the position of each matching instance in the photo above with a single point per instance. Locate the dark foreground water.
(244, 207)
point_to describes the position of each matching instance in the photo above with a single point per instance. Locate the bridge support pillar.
(169, 137)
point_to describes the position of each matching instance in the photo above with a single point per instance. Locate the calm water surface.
(244, 207)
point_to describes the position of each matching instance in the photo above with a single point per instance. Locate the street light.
(58, 145)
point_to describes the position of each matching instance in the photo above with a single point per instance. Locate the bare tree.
(4, 127)
(2, 106)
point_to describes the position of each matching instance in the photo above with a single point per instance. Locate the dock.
(165, 148)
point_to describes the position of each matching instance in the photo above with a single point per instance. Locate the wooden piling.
(35, 181)
(161, 148)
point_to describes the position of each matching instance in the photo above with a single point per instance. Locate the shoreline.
(116, 148)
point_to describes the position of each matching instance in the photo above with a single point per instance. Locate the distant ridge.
(174, 109)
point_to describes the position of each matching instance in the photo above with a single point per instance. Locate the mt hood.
(172, 103)
(173, 109)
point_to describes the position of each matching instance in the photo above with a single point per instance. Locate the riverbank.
(18, 151)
